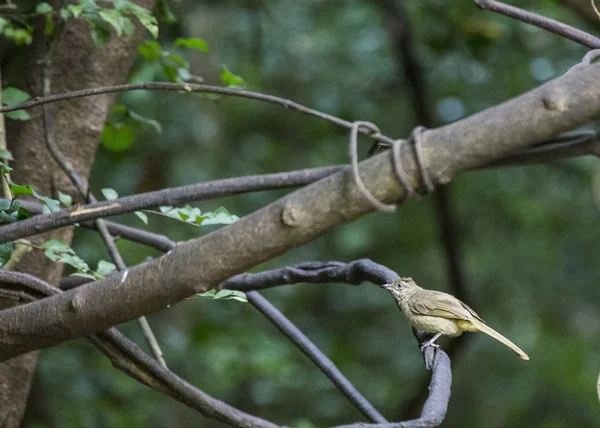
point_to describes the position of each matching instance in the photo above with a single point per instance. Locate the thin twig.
(595, 8)
(131, 360)
(316, 356)
(548, 24)
(7, 194)
(196, 88)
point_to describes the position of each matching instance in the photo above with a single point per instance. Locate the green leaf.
(66, 200)
(221, 295)
(76, 10)
(6, 250)
(43, 8)
(104, 268)
(5, 168)
(163, 12)
(100, 35)
(109, 194)
(192, 215)
(142, 217)
(5, 154)
(191, 43)
(144, 16)
(12, 96)
(150, 50)
(231, 80)
(11, 211)
(59, 251)
(17, 190)
(219, 216)
(18, 115)
(118, 138)
(113, 17)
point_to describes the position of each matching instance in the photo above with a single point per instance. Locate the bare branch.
(548, 24)
(434, 409)
(195, 88)
(171, 196)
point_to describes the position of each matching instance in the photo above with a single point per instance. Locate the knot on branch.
(414, 140)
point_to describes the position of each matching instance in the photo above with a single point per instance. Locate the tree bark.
(76, 63)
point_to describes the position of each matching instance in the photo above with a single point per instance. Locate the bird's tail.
(480, 326)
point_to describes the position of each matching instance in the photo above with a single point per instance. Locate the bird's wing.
(438, 304)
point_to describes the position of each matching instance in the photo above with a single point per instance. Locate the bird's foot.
(431, 342)
(428, 344)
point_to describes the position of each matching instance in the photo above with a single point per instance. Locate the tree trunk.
(76, 64)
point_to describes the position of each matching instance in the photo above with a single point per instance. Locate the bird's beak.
(386, 286)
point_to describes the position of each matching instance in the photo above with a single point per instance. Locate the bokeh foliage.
(528, 236)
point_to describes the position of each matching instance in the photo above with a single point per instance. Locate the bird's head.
(401, 287)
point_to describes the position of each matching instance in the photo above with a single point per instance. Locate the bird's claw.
(429, 344)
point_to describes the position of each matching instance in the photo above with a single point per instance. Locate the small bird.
(440, 313)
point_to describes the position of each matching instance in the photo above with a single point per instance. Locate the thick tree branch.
(200, 264)
(562, 147)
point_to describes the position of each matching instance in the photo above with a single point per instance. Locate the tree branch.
(562, 147)
(548, 24)
(434, 409)
(171, 196)
(130, 359)
(201, 264)
(196, 88)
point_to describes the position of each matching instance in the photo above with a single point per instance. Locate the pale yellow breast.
(445, 326)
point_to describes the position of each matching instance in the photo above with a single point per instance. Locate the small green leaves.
(12, 96)
(172, 65)
(6, 250)
(12, 211)
(198, 44)
(231, 80)
(150, 50)
(104, 268)
(46, 10)
(109, 194)
(52, 204)
(118, 137)
(19, 32)
(43, 8)
(65, 199)
(221, 295)
(59, 251)
(5, 168)
(5, 154)
(194, 216)
(117, 17)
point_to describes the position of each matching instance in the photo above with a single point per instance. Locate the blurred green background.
(528, 236)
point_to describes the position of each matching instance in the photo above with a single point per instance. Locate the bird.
(441, 313)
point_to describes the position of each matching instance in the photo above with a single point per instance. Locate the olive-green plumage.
(440, 313)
